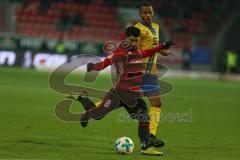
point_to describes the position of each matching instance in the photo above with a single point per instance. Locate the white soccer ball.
(124, 145)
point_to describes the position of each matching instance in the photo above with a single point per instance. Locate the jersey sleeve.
(151, 52)
(102, 65)
(120, 56)
(140, 27)
(116, 57)
(145, 53)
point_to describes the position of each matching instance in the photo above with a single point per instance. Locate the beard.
(132, 48)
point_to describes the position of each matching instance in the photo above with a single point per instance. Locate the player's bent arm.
(101, 65)
(165, 52)
(141, 53)
(151, 52)
(108, 61)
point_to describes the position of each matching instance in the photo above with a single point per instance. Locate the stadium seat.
(98, 26)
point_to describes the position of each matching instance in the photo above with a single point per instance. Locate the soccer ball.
(124, 145)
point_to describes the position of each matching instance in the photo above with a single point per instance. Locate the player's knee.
(158, 104)
(142, 115)
(141, 112)
(141, 104)
(156, 101)
(144, 124)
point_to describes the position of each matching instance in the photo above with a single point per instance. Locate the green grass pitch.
(30, 130)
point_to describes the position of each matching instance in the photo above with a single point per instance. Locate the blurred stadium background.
(206, 31)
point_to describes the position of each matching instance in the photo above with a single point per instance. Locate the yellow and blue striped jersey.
(149, 38)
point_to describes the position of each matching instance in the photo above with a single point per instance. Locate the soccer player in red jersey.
(126, 91)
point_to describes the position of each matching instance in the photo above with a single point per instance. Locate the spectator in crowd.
(8, 43)
(60, 48)
(30, 4)
(44, 5)
(78, 19)
(111, 2)
(179, 27)
(67, 20)
(82, 1)
(44, 46)
(64, 21)
(238, 61)
(186, 59)
(232, 59)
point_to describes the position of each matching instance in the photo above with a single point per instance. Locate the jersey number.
(107, 103)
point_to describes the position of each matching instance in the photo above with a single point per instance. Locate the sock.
(87, 103)
(143, 133)
(97, 104)
(154, 119)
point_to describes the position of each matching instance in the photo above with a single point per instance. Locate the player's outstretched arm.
(116, 57)
(152, 51)
(99, 66)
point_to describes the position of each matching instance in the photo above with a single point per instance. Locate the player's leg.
(143, 130)
(140, 112)
(97, 104)
(155, 112)
(109, 103)
(84, 100)
(151, 89)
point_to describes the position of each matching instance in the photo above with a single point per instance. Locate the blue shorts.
(150, 84)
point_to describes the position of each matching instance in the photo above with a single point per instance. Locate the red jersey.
(129, 66)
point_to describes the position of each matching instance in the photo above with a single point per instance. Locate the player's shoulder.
(139, 25)
(118, 50)
(142, 26)
(155, 25)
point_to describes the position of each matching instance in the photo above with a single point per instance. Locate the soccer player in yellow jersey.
(149, 38)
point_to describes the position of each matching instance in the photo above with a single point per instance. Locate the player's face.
(146, 14)
(133, 42)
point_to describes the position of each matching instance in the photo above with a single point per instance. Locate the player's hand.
(168, 44)
(165, 52)
(90, 67)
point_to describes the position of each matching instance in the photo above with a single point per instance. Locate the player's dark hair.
(132, 31)
(145, 4)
